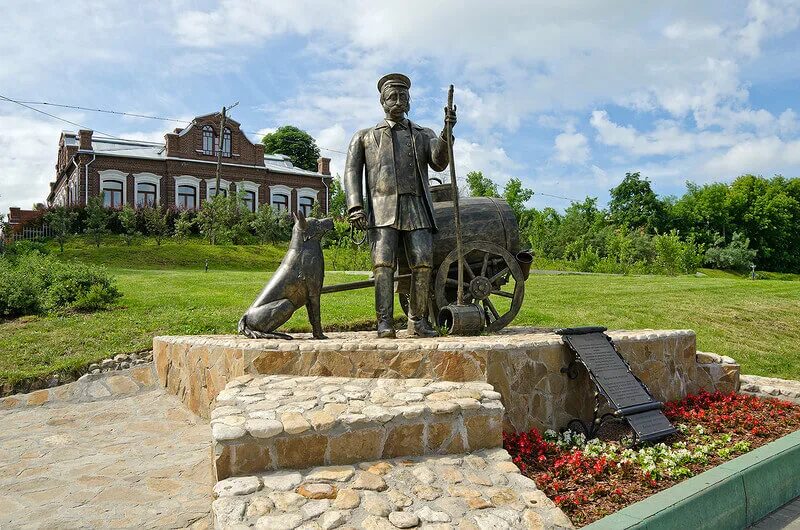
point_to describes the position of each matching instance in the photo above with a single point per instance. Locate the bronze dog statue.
(296, 283)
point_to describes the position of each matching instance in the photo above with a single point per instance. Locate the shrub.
(736, 255)
(36, 284)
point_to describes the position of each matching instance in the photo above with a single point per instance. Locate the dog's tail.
(242, 327)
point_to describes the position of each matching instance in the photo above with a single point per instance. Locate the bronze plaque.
(609, 370)
(624, 392)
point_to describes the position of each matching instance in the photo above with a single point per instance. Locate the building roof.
(105, 146)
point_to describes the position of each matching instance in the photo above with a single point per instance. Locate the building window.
(226, 143)
(146, 194)
(212, 191)
(112, 194)
(280, 202)
(208, 140)
(187, 197)
(249, 200)
(305, 205)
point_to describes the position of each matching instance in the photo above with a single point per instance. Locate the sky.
(567, 96)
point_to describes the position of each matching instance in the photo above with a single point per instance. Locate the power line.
(26, 104)
(57, 117)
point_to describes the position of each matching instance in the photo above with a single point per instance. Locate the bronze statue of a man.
(393, 158)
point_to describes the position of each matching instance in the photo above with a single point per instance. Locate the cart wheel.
(487, 268)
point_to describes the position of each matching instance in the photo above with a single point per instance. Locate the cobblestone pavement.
(140, 461)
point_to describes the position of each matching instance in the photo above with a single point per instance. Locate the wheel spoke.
(503, 293)
(499, 275)
(485, 265)
(468, 269)
(488, 303)
(451, 281)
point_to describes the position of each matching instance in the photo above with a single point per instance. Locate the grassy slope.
(757, 323)
(191, 254)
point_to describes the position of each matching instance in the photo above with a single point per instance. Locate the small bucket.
(467, 319)
(525, 260)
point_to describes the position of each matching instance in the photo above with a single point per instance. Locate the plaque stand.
(626, 394)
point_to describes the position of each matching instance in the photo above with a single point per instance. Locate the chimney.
(178, 130)
(324, 165)
(85, 139)
(259, 148)
(172, 144)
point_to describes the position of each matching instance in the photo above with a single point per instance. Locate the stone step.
(277, 422)
(480, 490)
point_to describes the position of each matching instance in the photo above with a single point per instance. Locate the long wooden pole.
(219, 149)
(456, 211)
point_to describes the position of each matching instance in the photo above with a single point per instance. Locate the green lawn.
(757, 323)
(193, 254)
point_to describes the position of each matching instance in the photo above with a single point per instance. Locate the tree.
(295, 143)
(480, 186)
(183, 225)
(61, 222)
(736, 255)
(338, 206)
(635, 205)
(155, 219)
(270, 225)
(127, 220)
(96, 219)
(516, 196)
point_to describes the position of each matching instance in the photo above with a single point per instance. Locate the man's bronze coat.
(371, 153)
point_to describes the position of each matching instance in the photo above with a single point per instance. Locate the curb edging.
(735, 494)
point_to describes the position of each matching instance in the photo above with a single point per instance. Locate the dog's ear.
(301, 219)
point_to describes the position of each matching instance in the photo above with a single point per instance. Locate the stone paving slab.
(771, 387)
(482, 490)
(133, 462)
(90, 387)
(277, 422)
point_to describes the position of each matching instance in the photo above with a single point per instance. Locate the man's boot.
(418, 304)
(384, 301)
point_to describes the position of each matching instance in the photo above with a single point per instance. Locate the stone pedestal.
(523, 365)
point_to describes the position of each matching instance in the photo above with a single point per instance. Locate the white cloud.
(571, 148)
(759, 156)
(666, 139)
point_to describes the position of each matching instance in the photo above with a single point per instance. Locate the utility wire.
(57, 117)
(115, 112)
(27, 104)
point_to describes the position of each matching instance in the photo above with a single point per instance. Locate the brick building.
(181, 172)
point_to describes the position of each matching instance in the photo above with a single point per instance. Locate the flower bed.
(590, 479)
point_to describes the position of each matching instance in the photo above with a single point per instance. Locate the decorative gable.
(200, 141)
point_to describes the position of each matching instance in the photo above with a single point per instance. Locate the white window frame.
(116, 175)
(146, 178)
(247, 185)
(187, 180)
(223, 185)
(307, 193)
(282, 190)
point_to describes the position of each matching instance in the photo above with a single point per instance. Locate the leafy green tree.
(767, 212)
(295, 143)
(211, 217)
(97, 218)
(61, 222)
(516, 196)
(156, 221)
(338, 206)
(270, 225)
(634, 205)
(736, 255)
(183, 225)
(127, 220)
(480, 186)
